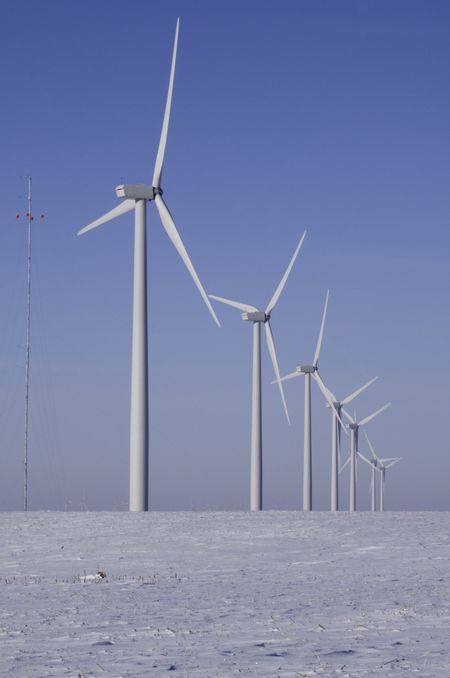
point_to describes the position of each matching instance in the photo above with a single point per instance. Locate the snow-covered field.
(225, 594)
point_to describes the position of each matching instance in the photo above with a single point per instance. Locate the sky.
(330, 117)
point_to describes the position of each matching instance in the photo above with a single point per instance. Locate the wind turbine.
(373, 488)
(309, 371)
(253, 315)
(336, 439)
(381, 465)
(354, 427)
(136, 198)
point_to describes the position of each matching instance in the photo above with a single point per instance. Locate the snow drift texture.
(224, 594)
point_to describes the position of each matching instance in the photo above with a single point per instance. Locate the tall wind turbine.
(136, 198)
(354, 428)
(381, 465)
(253, 315)
(309, 371)
(336, 439)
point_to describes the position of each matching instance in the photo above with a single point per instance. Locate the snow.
(224, 594)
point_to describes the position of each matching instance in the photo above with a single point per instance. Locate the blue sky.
(290, 115)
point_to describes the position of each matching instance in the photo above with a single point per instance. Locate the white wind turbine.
(373, 487)
(381, 465)
(336, 439)
(354, 428)
(253, 315)
(136, 198)
(307, 371)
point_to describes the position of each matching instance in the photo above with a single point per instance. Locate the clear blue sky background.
(331, 116)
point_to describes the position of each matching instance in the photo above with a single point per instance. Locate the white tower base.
(139, 369)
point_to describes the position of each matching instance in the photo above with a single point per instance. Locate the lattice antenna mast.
(29, 216)
(27, 355)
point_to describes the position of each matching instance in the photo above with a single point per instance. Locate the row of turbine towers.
(135, 198)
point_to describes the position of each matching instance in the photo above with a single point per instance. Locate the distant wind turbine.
(307, 371)
(373, 487)
(354, 427)
(136, 198)
(253, 315)
(336, 439)
(382, 465)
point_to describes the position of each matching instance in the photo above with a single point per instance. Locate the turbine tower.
(336, 439)
(354, 427)
(382, 465)
(253, 315)
(135, 198)
(309, 371)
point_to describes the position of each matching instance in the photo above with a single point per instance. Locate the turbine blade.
(371, 447)
(335, 400)
(364, 459)
(157, 173)
(345, 464)
(349, 416)
(371, 416)
(392, 463)
(349, 398)
(273, 357)
(122, 208)
(272, 303)
(171, 230)
(288, 376)
(322, 325)
(235, 304)
(325, 392)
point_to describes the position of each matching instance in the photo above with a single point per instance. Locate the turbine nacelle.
(353, 426)
(137, 191)
(306, 369)
(256, 316)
